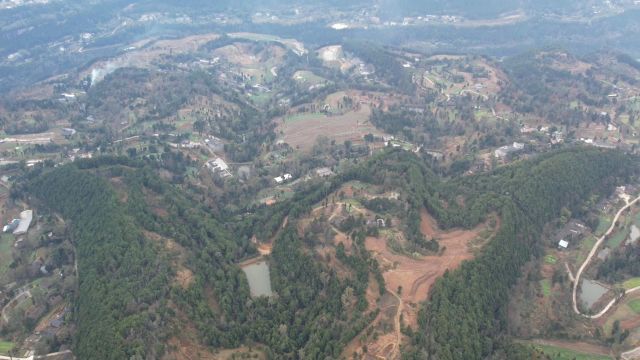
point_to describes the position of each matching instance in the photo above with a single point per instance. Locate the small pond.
(259, 278)
(591, 292)
(634, 236)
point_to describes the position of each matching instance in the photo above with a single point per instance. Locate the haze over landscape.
(412, 179)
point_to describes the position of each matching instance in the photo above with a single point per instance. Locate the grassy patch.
(631, 283)
(308, 77)
(303, 117)
(558, 353)
(617, 238)
(636, 219)
(5, 347)
(603, 225)
(6, 243)
(585, 247)
(261, 98)
(545, 284)
(634, 305)
(550, 259)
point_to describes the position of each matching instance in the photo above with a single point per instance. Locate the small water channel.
(259, 278)
(591, 292)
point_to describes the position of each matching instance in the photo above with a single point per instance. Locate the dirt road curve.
(631, 354)
(588, 259)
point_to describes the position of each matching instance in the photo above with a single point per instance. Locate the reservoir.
(259, 278)
(591, 292)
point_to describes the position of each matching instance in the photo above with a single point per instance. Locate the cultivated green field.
(617, 238)
(303, 117)
(634, 305)
(631, 283)
(558, 353)
(5, 347)
(6, 243)
(545, 284)
(603, 225)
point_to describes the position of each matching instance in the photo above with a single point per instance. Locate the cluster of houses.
(504, 151)
(573, 230)
(324, 172)
(19, 226)
(219, 167)
(283, 178)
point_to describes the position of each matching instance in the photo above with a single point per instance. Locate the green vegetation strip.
(306, 116)
(558, 353)
(618, 238)
(603, 225)
(550, 259)
(5, 347)
(546, 287)
(6, 243)
(635, 305)
(631, 283)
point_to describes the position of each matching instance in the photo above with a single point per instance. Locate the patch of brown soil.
(184, 276)
(630, 324)
(44, 322)
(416, 275)
(351, 126)
(185, 345)
(143, 57)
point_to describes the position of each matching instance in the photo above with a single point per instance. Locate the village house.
(25, 221)
(283, 178)
(219, 167)
(324, 172)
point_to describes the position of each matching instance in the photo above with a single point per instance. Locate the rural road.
(32, 357)
(396, 346)
(26, 293)
(588, 259)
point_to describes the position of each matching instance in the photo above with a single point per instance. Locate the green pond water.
(259, 278)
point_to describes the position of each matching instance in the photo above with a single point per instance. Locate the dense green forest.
(125, 292)
(124, 308)
(122, 278)
(465, 316)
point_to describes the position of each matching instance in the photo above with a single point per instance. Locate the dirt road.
(588, 260)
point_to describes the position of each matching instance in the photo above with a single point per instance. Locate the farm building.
(283, 178)
(504, 151)
(11, 226)
(563, 244)
(66, 132)
(324, 172)
(219, 166)
(25, 221)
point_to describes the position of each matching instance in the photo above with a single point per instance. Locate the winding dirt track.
(588, 260)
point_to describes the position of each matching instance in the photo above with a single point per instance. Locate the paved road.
(588, 260)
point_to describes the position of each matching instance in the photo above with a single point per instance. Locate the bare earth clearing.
(415, 277)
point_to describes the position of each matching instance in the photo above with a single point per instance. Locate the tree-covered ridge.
(126, 294)
(306, 318)
(465, 316)
(121, 277)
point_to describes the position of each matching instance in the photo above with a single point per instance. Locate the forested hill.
(465, 316)
(130, 305)
(122, 278)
